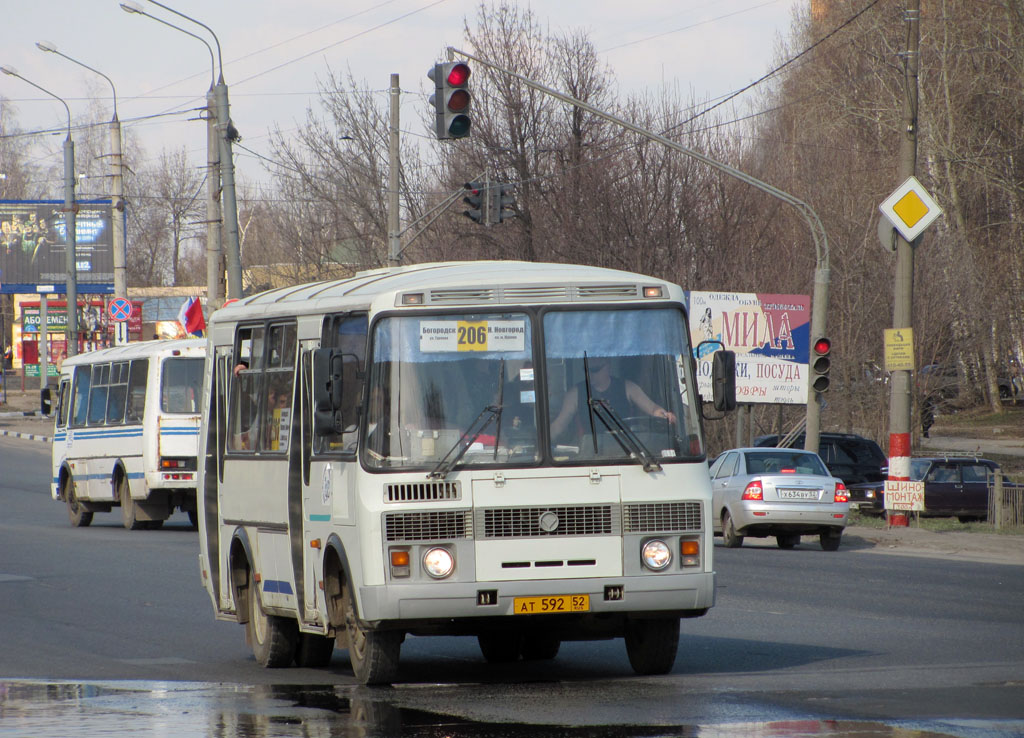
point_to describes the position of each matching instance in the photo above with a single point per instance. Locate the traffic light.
(820, 364)
(476, 201)
(451, 99)
(502, 201)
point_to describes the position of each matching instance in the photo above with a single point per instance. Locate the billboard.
(770, 335)
(33, 246)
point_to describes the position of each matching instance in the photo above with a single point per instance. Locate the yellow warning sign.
(899, 349)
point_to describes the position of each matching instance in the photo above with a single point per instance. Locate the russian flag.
(191, 317)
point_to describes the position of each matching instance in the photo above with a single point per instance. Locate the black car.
(954, 486)
(852, 458)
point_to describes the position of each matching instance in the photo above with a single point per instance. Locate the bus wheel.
(129, 511)
(540, 647)
(501, 647)
(77, 514)
(274, 639)
(372, 653)
(193, 519)
(651, 644)
(314, 651)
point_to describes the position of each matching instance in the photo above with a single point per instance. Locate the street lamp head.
(130, 7)
(9, 70)
(45, 46)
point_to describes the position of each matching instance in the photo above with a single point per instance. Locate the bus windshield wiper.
(476, 428)
(626, 438)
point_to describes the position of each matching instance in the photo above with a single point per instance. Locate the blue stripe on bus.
(277, 585)
(319, 518)
(93, 434)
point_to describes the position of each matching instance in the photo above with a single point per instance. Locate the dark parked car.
(954, 486)
(852, 458)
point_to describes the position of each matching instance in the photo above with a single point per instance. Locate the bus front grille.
(435, 525)
(423, 491)
(650, 517)
(533, 522)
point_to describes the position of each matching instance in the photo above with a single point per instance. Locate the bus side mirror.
(723, 380)
(327, 391)
(45, 401)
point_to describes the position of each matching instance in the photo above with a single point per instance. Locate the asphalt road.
(105, 629)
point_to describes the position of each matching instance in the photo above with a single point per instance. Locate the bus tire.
(274, 639)
(372, 653)
(652, 644)
(193, 519)
(314, 651)
(540, 647)
(500, 647)
(129, 510)
(77, 514)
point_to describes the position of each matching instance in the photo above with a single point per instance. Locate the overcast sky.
(274, 51)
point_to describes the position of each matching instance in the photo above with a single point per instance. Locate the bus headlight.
(438, 562)
(656, 555)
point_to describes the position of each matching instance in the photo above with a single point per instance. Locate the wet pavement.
(185, 709)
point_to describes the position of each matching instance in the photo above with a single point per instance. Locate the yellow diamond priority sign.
(910, 209)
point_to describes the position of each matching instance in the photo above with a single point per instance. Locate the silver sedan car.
(781, 492)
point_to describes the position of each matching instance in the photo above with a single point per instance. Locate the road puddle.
(190, 709)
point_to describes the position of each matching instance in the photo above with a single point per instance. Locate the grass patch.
(939, 525)
(1010, 422)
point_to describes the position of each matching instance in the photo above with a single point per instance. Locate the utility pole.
(214, 267)
(903, 290)
(394, 243)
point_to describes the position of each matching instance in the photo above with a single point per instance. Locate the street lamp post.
(70, 236)
(214, 270)
(227, 134)
(117, 178)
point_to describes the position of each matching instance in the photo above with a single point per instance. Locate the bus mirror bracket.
(327, 391)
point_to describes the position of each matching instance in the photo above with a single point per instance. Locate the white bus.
(505, 450)
(127, 430)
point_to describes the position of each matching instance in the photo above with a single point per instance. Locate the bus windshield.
(461, 390)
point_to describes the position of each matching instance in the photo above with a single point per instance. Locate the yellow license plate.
(553, 603)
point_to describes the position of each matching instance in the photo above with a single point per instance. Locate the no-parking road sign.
(119, 309)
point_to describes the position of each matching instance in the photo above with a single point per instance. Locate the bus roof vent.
(607, 291)
(434, 491)
(540, 293)
(461, 295)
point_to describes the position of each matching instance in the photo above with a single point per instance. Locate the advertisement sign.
(33, 245)
(771, 337)
(905, 495)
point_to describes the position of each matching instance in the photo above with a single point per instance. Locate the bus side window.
(98, 394)
(244, 389)
(80, 398)
(348, 333)
(117, 393)
(280, 374)
(137, 379)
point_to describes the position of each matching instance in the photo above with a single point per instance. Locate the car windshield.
(784, 462)
(455, 390)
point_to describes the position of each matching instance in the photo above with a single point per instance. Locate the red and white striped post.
(899, 471)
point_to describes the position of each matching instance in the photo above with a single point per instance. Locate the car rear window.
(784, 462)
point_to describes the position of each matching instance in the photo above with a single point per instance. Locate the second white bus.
(126, 432)
(505, 450)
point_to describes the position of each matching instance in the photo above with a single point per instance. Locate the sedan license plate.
(798, 494)
(551, 604)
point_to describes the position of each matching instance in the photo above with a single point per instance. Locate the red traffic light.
(822, 346)
(458, 75)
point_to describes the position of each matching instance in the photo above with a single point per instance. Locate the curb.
(27, 436)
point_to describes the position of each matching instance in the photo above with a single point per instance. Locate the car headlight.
(438, 562)
(656, 555)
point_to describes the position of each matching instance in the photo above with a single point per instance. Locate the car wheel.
(830, 540)
(730, 537)
(787, 541)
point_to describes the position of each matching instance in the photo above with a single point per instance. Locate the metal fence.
(1005, 503)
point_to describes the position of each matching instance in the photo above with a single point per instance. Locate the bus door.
(60, 432)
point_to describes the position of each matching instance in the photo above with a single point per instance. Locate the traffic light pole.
(819, 305)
